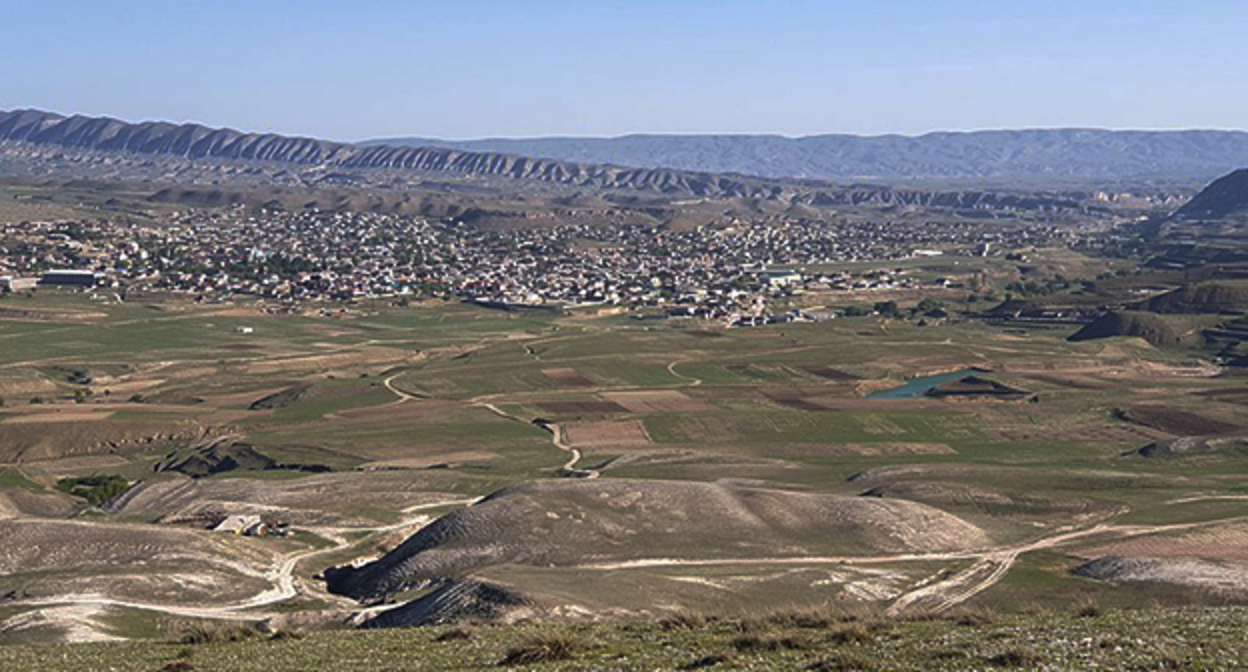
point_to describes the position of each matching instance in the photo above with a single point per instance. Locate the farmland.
(372, 422)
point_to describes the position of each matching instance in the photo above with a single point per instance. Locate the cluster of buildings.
(726, 271)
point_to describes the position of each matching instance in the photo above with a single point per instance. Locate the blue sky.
(474, 68)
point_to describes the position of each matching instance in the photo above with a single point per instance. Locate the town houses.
(715, 271)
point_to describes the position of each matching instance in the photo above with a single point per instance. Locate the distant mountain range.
(1062, 153)
(45, 144)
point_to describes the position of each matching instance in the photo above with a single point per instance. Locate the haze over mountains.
(44, 143)
(1079, 153)
(698, 164)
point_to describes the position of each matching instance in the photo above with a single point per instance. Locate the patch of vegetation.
(545, 647)
(98, 490)
(214, 632)
(14, 478)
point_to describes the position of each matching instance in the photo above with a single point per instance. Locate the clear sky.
(471, 68)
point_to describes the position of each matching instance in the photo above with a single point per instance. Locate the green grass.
(14, 478)
(1199, 639)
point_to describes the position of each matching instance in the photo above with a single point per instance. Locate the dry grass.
(546, 647)
(456, 635)
(213, 632)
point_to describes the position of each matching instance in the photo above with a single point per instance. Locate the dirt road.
(989, 565)
(285, 585)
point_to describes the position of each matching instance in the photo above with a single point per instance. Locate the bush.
(214, 633)
(975, 617)
(852, 633)
(1088, 609)
(1017, 658)
(684, 620)
(771, 643)
(545, 647)
(97, 490)
(456, 635)
(707, 661)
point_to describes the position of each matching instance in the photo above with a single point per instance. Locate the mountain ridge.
(114, 149)
(1196, 154)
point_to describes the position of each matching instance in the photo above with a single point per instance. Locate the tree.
(886, 308)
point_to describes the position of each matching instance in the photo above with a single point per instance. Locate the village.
(727, 271)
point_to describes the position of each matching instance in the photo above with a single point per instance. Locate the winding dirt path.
(556, 436)
(285, 585)
(671, 368)
(988, 568)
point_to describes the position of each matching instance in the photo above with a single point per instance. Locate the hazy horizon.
(486, 69)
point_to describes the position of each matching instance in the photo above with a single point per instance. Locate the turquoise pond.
(915, 388)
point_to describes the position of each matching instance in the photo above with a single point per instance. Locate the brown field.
(871, 449)
(592, 407)
(1233, 395)
(311, 363)
(1179, 423)
(658, 401)
(34, 441)
(829, 373)
(606, 433)
(432, 460)
(568, 377)
(56, 416)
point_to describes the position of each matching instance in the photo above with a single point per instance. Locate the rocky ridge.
(163, 149)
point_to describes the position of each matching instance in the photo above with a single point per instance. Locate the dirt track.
(284, 584)
(989, 566)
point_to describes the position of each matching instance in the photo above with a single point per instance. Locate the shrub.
(852, 633)
(1017, 658)
(975, 617)
(455, 635)
(1088, 609)
(684, 620)
(757, 642)
(97, 490)
(545, 647)
(214, 633)
(707, 661)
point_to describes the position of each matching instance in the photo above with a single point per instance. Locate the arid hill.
(1155, 329)
(1225, 197)
(571, 522)
(1204, 298)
